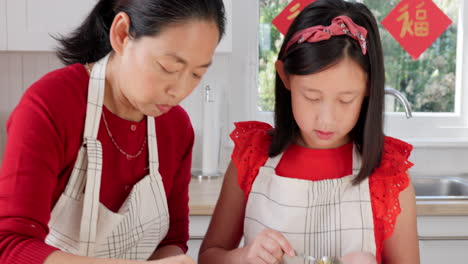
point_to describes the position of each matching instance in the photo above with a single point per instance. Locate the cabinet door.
(30, 24)
(225, 46)
(443, 251)
(194, 248)
(3, 23)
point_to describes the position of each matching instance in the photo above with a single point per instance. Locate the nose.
(326, 116)
(179, 89)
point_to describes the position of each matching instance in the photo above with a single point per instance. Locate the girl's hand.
(180, 259)
(268, 247)
(359, 258)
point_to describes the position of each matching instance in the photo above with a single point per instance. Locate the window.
(434, 84)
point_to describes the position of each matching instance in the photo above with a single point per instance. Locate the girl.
(324, 181)
(86, 178)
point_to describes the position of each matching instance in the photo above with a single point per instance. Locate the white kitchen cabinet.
(443, 239)
(443, 251)
(194, 247)
(28, 25)
(3, 23)
(197, 230)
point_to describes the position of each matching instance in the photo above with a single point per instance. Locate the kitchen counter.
(442, 208)
(204, 194)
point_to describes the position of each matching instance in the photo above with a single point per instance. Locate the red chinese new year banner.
(416, 24)
(287, 16)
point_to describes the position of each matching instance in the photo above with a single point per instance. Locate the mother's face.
(158, 72)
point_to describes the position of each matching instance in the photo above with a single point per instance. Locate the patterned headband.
(341, 25)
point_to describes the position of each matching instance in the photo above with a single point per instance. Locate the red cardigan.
(44, 135)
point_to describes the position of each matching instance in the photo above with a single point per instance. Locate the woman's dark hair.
(90, 41)
(307, 58)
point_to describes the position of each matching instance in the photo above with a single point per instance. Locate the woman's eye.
(196, 76)
(346, 101)
(166, 69)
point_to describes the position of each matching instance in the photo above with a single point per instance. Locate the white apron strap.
(97, 84)
(272, 162)
(95, 100)
(89, 218)
(152, 146)
(155, 176)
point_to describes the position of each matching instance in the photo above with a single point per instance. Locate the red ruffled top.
(252, 141)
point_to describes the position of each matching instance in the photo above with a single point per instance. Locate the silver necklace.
(128, 156)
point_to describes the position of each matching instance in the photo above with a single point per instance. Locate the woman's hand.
(180, 259)
(268, 247)
(359, 258)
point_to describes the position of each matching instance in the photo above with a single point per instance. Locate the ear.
(279, 65)
(118, 35)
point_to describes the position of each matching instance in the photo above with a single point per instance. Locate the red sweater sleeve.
(44, 135)
(178, 194)
(28, 176)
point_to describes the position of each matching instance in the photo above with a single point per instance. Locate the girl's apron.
(318, 218)
(81, 225)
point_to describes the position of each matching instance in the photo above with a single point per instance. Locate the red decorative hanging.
(416, 24)
(287, 16)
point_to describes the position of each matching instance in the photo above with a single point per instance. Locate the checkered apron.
(81, 225)
(319, 218)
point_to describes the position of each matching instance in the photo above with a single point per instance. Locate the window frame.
(423, 128)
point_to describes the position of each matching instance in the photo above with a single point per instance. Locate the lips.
(323, 135)
(164, 108)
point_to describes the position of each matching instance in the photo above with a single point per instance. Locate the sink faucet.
(398, 95)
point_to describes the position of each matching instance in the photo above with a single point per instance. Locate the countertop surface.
(204, 194)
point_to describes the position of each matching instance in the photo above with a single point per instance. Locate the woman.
(89, 175)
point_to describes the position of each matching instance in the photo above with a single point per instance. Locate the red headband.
(341, 25)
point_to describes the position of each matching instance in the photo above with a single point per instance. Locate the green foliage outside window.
(428, 83)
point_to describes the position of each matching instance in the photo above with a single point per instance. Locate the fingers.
(267, 257)
(268, 247)
(180, 259)
(282, 241)
(258, 260)
(273, 248)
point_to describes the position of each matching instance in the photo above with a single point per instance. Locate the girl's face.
(326, 105)
(157, 73)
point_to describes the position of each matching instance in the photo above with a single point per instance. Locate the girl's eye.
(347, 100)
(313, 99)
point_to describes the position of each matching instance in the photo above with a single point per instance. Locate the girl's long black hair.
(307, 58)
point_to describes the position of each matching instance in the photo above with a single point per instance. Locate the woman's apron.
(81, 225)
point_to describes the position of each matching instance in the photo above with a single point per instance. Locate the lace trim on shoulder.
(387, 182)
(251, 142)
